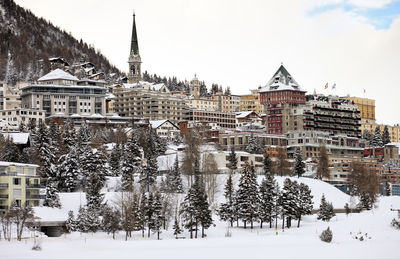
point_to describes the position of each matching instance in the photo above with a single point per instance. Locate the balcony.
(3, 196)
(33, 186)
(3, 185)
(2, 207)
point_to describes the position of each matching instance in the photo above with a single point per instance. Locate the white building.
(11, 119)
(165, 128)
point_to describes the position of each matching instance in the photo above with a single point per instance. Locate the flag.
(364, 91)
(326, 86)
(334, 86)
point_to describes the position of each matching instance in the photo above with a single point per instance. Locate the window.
(17, 181)
(17, 192)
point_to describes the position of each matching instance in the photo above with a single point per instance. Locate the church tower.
(194, 87)
(134, 61)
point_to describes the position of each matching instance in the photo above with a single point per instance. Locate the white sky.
(242, 43)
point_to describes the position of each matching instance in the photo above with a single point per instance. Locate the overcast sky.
(353, 43)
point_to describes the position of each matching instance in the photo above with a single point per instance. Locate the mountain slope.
(27, 42)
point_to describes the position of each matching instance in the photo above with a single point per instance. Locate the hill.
(27, 42)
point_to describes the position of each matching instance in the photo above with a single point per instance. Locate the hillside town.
(82, 151)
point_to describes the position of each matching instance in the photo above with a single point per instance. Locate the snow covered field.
(300, 242)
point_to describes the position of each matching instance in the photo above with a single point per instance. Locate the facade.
(204, 104)
(14, 117)
(150, 101)
(394, 189)
(226, 103)
(251, 102)
(340, 168)
(9, 97)
(240, 140)
(222, 160)
(224, 120)
(59, 93)
(366, 107)
(332, 114)
(19, 183)
(281, 90)
(95, 120)
(165, 128)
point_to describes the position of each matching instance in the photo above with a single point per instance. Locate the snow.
(157, 123)
(58, 74)
(240, 115)
(397, 144)
(18, 138)
(3, 163)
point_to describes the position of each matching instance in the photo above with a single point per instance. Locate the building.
(224, 120)
(251, 102)
(150, 101)
(19, 183)
(112, 120)
(9, 97)
(366, 107)
(165, 129)
(394, 189)
(58, 92)
(134, 60)
(200, 103)
(241, 139)
(14, 117)
(331, 114)
(281, 90)
(226, 103)
(222, 160)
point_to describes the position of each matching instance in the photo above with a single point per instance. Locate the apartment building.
(20, 183)
(14, 117)
(251, 102)
(59, 93)
(366, 107)
(240, 140)
(394, 131)
(226, 103)
(224, 120)
(150, 101)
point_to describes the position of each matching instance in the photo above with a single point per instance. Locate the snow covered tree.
(131, 164)
(227, 210)
(305, 203)
(71, 224)
(143, 207)
(232, 159)
(177, 229)
(377, 138)
(325, 212)
(93, 161)
(367, 135)
(157, 219)
(149, 213)
(254, 145)
(288, 202)
(10, 152)
(84, 134)
(52, 199)
(299, 168)
(326, 235)
(115, 159)
(149, 173)
(386, 136)
(323, 164)
(247, 197)
(69, 136)
(22, 127)
(267, 164)
(68, 171)
(174, 178)
(111, 221)
(268, 198)
(82, 220)
(45, 152)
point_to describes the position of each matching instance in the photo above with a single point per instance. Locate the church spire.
(134, 41)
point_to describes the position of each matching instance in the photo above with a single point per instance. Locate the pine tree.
(45, 152)
(386, 136)
(377, 139)
(82, 220)
(93, 161)
(70, 224)
(94, 198)
(268, 197)
(177, 229)
(174, 178)
(111, 221)
(288, 202)
(149, 173)
(157, 218)
(52, 199)
(254, 145)
(143, 207)
(305, 203)
(68, 171)
(325, 210)
(227, 210)
(84, 134)
(10, 152)
(299, 168)
(22, 127)
(267, 164)
(367, 135)
(115, 159)
(69, 136)
(232, 160)
(149, 213)
(247, 196)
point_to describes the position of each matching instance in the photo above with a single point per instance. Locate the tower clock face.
(133, 69)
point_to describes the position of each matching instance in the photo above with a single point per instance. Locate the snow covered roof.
(158, 123)
(58, 74)
(281, 80)
(4, 163)
(397, 144)
(17, 137)
(240, 115)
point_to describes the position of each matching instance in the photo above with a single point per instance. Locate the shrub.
(326, 235)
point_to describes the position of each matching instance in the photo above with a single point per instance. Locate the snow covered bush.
(396, 223)
(326, 235)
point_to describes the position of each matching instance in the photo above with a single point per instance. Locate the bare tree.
(210, 172)
(323, 164)
(20, 216)
(5, 221)
(282, 165)
(127, 204)
(191, 154)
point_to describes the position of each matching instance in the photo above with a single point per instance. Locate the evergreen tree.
(94, 198)
(69, 136)
(84, 134)
(367, 135)
(93, 161)
(10, 152)
(305, 203)
(325, 210)
(115, 159)
(52, 200)
(232, 159)
(157, 218)
(70, 224)
(111, 221)
(227, 209)
(143, 212)
(149, 217)
(68, 171)
(149, 173)
(377, 139)
(45, 152)
(247, 196)
(22, 127)
(299, 168)
(267, 164)
(254, 145)
(131, 164)
(288, 202)
(177, 229)
(82, 220)
(386, 136)
(268, 197)
(174, 178)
